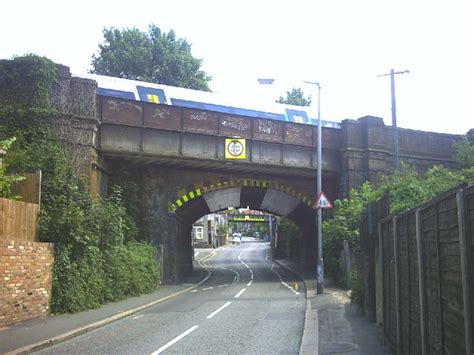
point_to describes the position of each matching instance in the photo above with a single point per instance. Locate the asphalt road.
(249, 305)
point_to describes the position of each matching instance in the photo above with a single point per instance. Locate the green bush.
(357, 290)
(78, 283)
(344, 225)
(6, 181)
(289, 236)
(93, 260)
(95, 265)
(143, 267)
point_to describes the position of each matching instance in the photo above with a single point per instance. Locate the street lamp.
(319, 261)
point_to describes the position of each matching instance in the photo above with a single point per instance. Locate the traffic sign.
(323, 201)
(235, 148)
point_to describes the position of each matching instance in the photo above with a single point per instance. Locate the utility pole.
(396, 153)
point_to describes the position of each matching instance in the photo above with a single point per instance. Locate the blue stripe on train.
(116, 93)
(227, 109)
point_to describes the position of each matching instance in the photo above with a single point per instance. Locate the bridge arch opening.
(258, 198)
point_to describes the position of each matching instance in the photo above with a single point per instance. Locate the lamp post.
(319, 261)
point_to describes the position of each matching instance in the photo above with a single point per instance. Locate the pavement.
(332, 324)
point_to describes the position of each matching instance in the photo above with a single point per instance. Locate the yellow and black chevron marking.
(200, 189)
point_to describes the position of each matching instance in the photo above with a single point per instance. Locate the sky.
(342, 44)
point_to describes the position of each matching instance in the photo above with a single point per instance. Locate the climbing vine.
(96, 256)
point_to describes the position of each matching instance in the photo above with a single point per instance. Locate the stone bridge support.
(171, 214)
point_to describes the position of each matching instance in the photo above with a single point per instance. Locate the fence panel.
(414, 329)
(468, 219)
(388, 282)
(452, 304)
(431, 271)
(408, 276)
(29, 189)
(427, 276)
(18, 220)
(370, 252)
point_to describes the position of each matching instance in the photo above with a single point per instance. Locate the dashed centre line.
(175, 340)
(244, 264)
(240, 292)
(218, 310)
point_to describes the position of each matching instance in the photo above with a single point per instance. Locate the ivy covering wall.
(97, 255)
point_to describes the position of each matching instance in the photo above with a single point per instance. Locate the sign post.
(322, 203)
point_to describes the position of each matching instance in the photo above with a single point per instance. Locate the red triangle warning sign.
(323, 201)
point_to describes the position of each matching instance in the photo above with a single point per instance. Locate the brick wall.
(25, 280)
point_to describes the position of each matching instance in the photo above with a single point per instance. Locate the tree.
(156, 56)
(295, 97)
(465, 150)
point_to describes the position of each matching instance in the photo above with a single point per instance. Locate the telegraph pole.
(396, 153)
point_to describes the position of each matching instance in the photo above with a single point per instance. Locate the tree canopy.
(295, 97)
(465, 148)
(156, 56)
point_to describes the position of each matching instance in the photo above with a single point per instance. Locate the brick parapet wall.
(367, 153)
(25, 280)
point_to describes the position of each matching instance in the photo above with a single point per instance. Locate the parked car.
(236, 238)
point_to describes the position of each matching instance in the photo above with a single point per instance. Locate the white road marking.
(208, 288)
(218, 310)
(243, 263)
(224, 285)
(196, 254)
(175, 340)
(138, 316)
(283, 282)
(241, 291)
(194, 291)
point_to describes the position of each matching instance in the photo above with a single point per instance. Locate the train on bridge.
(202, 100)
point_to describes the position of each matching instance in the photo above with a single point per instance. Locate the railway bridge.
(173, 141)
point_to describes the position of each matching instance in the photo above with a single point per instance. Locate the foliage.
(131, 191)
(93, 263)
(357, 290)
(289, 236)
(344, 225)
(156, 56)
(6, 181)
(295, 97)
(25, 81)
(465, 150)
(408, 189)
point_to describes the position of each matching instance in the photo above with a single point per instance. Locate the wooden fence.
(368, 255)
(29, 189)
(18, 220)
(426, 266)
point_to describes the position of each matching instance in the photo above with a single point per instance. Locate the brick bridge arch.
(267, 196)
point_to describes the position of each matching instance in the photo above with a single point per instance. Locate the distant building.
(206, 230)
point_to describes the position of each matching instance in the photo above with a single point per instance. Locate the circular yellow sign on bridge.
(235, 148)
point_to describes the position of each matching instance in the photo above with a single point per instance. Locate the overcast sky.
(343, 45)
